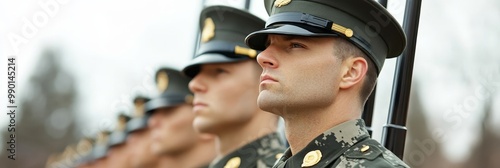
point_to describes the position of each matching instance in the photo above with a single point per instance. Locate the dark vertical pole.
(367, 115)
(394, 133)
(247, 4)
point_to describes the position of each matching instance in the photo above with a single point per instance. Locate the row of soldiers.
(314, 63)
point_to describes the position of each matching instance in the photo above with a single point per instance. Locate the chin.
(267, 103)
(202, 125)
(156, 149)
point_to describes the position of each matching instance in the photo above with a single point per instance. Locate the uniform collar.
(258, 153)
(328, 146)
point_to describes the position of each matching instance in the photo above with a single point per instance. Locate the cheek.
(240, 98)
(312, 76)
(181, 124)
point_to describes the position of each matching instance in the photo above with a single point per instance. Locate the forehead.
(236, 66)
(171, 109)
(281, 37)
(218, 65)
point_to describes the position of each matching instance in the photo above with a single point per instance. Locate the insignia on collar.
(365, 148)
(311, 158)
(278, 156)
(233, 163)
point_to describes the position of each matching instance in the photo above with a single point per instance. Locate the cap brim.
(193, 68)
(99, 152)
(163, 102)
(136, 124)
(257, 40)
(117, 138)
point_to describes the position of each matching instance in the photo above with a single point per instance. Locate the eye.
(220, 71)
(296, 45)
(268, 42)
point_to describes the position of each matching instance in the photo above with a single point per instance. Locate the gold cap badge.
(84, 146)
(233, 163)
(122, 123)
(280, 3)
(311, 158)
(102, 138)
(139, 107)
(208, 31)
(162, 81)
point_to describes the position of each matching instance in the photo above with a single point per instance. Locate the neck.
(303, 126)
(230, 140)
(203, 151)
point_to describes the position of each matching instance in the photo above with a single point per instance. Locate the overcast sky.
(113, 47)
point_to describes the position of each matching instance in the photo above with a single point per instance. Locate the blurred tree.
(486, 153)
(45, 121)
(421, 149)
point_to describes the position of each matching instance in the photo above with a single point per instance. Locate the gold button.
(311, 158)
(278, 156)
(233, 163)
(365, 148)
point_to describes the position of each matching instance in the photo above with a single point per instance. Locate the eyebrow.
(287, 38)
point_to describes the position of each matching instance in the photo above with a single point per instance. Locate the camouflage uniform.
(260, 153)
(345, 145)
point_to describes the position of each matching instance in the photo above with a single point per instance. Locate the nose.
(267, 59)
(196, 85)
(154, 120)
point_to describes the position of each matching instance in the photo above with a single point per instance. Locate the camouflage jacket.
(260, 153)
(345, 145)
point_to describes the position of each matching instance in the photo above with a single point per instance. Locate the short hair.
(344, 49)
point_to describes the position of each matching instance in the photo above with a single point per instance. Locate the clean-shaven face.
(225, 95)
(298, 73)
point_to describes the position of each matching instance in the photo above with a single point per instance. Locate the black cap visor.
(193, 68)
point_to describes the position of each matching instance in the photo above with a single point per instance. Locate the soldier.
(320, 61)
(117, 149)
(84, 148)
(139, 137)
(171, 123)
(98, 155)
(225, 84)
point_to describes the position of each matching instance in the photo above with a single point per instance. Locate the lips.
(198, 105)
(156, 135)
(267, 78)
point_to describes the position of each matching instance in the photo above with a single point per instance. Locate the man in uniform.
(100, 149)
(225, 86)
(117, 148)
(139, 138)
(171, 123)
(84, 148)
(320, 63)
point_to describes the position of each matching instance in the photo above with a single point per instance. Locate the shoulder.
(270, 149)
(369, 153)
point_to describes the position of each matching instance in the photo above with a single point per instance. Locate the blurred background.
(79, 63)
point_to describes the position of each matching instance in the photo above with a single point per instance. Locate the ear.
(354, 72)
